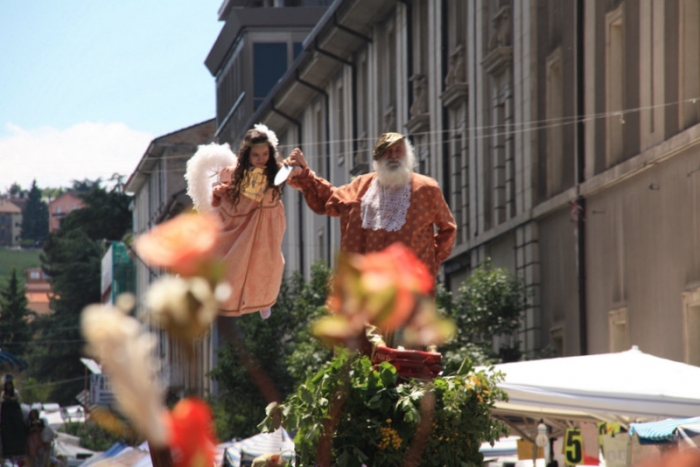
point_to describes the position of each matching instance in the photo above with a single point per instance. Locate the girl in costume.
(242, 194)
(38, 446)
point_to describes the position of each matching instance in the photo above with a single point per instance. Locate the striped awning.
(278, 442)
(663, 431)
(8, 358)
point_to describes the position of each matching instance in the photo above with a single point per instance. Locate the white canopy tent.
(624, 387)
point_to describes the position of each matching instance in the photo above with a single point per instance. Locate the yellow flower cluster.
(389, 438)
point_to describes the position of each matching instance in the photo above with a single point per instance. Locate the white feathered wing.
(203, 170)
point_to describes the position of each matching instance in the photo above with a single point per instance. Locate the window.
(557, 336)
(615, 80)
(269, 64)
(689, 72)
(58, 209)
(691, 324)
(555, 130)
(296, 49)
(340, 123)
(35, 275)
(459, 186)
(320, 244)
(617, 330)
(319, 146)
(652, 70)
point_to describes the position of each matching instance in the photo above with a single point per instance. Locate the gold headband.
(259, 144)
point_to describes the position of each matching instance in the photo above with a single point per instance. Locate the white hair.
(400, 176)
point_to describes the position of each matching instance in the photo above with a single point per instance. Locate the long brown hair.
(251, 138)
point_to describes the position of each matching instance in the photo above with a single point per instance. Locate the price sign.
(607, 428)
(573, 447)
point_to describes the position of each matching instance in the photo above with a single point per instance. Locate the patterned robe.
(427, 210)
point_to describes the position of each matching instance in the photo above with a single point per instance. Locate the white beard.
(395, 176)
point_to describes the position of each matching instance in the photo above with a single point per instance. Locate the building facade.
(38, 291)
(563, 134)
(60, 207)
(159, 189)
(10, 223)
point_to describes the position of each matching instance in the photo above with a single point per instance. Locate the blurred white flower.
(184, 307)
(125, 352)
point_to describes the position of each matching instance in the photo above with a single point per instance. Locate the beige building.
(10, 223)
(158, 186)
(563, 133)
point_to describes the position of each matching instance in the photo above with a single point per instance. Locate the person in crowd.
(12, 426)
(38, 440)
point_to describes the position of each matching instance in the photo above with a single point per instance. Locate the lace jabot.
(385, 208)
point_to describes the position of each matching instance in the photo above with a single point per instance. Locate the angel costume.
(251, 233)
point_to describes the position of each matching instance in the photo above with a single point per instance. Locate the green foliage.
(72, 258)
(265, 359)
(32, 391)
(91, 435)
(19, 259)
(372, 416)
(51, 193)
(488, 304)
(15, 189)
(35, 216)
(14, 330)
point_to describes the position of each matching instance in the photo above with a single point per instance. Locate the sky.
(85, 85)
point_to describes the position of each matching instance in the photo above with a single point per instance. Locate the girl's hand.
(296, 157)
(218, 192)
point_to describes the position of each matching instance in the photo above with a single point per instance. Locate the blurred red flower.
(191, 434)
(183, 245)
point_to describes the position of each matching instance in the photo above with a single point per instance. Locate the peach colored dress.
(250, 244)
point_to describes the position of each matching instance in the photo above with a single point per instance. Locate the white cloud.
(56, 157)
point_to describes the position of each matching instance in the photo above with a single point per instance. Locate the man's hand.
(296, 157)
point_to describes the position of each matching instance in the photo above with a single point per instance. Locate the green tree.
(488, 304)
(14, 330)
(15, 189)
(352, 412)
(72, 259)
(52, 193)
(35, 216)
(265, 359)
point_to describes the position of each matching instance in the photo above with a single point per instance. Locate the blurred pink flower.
(387, 289)
(183, 245)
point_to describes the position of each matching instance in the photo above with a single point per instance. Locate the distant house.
(10, 223)
(38, 290)
(61, 207)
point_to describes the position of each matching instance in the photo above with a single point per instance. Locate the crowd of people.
(25, 440)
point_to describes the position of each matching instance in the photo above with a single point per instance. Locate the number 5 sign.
(573, 447)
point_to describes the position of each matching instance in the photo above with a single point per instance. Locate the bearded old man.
(392, 204)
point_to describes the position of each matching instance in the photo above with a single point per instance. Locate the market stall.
(578, 397)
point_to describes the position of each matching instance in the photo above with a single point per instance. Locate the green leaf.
(306, 395)
(388, 374)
